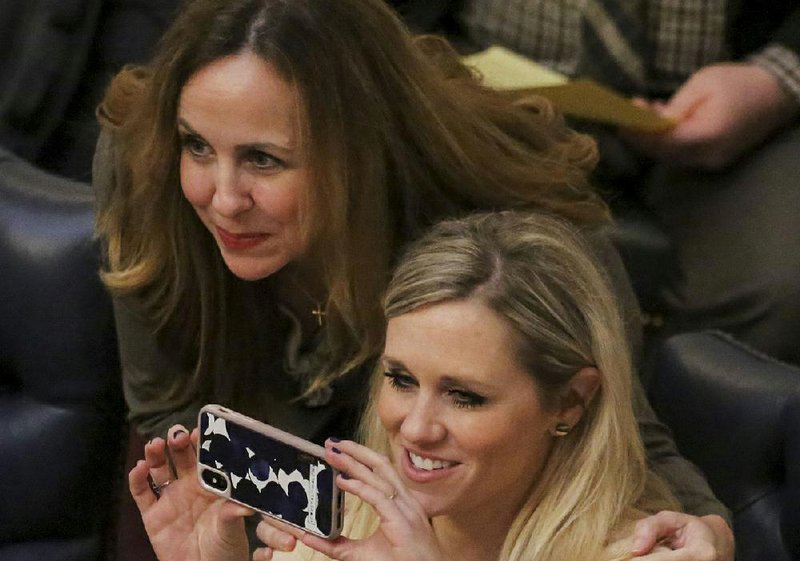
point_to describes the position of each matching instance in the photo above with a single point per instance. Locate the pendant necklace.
(317, 311)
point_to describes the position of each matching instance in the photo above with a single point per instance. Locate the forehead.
(463, 339)
(245, 91)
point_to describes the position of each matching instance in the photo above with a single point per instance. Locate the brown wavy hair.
(400, 134)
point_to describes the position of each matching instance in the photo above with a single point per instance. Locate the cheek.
(280, 197)
(196, 184)
(484, 437)
(499, 439)
(281, 205)
(528, 461)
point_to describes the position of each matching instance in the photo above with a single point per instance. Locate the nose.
(232, 195)
(423, 423)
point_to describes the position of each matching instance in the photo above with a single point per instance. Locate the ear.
(580, 390)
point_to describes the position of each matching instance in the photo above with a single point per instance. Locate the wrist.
(783, 66)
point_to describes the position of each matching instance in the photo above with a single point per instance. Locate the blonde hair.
(538, 273)
(402, 135)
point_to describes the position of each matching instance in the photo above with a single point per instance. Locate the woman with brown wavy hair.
(381, 135)
(256, 180)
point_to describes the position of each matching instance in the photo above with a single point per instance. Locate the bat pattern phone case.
(269, 470)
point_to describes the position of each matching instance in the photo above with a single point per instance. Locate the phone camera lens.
(214, 480)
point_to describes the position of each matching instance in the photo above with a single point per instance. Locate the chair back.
(735, 413)
(61, 406)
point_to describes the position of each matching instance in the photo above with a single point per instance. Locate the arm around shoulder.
(684, 479)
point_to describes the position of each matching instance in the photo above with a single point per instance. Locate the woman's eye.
(399, 381)
(466, 399)
(262, 160)
(195, 146)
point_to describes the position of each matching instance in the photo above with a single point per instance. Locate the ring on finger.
(158, 488)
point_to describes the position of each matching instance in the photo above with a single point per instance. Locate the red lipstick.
(239, 241)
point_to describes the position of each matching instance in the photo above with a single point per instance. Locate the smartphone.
(269, 470)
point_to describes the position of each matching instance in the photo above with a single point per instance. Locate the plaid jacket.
(766, 32)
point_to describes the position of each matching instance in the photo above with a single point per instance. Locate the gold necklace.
(317, 311)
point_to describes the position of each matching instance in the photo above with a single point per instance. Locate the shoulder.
(618, 549)
(621, 543)
(622, 540)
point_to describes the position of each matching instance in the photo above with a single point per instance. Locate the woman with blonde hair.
(257, 180)
(500, 423)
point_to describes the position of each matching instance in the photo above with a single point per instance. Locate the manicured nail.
(335, 450)
(345, 476)
(334, 439)
(177, 433)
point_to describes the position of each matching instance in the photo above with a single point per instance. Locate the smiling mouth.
(240, 241)
(428, 464)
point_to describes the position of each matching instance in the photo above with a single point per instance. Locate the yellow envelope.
(586, 99)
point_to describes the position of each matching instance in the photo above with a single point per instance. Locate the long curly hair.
(400, 135)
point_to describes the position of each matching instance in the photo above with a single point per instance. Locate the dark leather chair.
(61, 406)
(736, 414)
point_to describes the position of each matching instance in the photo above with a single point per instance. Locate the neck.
(478, 536)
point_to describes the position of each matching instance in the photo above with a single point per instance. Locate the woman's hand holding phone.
(186, 523)
(405, 532)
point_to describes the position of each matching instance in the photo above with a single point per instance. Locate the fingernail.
(334, 439)
(335, 450)
(177, 433)
(344, 475)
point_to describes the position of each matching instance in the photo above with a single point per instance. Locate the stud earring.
(562, 429)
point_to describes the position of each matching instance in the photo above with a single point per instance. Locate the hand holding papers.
(585, 99)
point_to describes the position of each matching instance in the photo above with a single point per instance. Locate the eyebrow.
(250, 145)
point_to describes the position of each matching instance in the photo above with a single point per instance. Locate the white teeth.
(427, 464)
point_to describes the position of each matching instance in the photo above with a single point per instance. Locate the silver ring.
(158, 488)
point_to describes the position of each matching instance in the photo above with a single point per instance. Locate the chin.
(252, 271)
